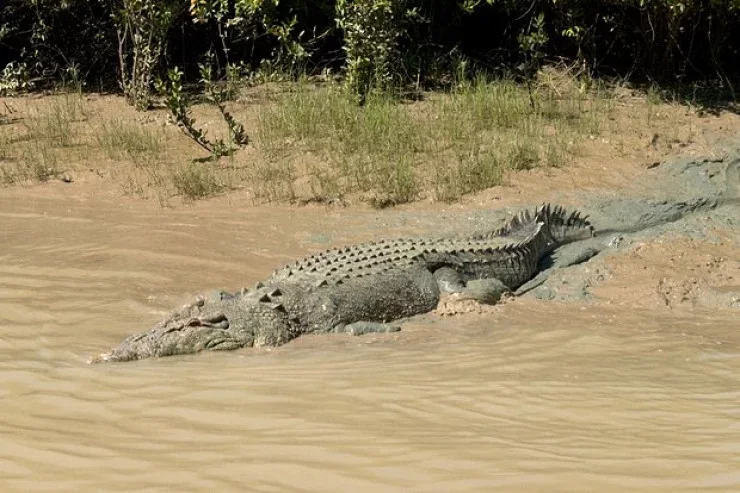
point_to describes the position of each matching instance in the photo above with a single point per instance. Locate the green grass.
(360, 149)
(445, 147)
(36, 164)
(122, 140)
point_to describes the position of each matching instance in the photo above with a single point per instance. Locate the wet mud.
(697, 199)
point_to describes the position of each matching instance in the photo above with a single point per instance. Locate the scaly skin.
(359, 289)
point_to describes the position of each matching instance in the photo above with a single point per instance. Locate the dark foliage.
(666, 41)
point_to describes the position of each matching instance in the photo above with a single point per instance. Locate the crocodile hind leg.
(487, 291)
(449, 280)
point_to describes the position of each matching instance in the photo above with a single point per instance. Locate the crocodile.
(362, 288)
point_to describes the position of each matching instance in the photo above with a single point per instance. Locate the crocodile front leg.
(362, 328)
(486, 291)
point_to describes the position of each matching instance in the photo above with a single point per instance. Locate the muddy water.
(532, 397)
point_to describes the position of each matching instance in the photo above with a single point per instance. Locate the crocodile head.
(225, 323)
(563, 226)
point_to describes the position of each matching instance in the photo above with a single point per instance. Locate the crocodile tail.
(564, 226)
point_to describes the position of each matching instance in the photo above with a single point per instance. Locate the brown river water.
(533, 396)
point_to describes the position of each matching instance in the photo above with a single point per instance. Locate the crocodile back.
(510, 253)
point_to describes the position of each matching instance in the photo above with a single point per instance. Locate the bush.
(380, 43)
(370, 36)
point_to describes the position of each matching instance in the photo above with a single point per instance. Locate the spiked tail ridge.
(564, 226)
(521, 222)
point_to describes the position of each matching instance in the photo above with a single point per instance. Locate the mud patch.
(675, 273)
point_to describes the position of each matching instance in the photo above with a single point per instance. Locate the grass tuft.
(54, 124)
(121, 140)
(195, 181)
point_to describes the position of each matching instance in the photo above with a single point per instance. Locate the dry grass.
(49, 131)
(54, 123)
(61, 133)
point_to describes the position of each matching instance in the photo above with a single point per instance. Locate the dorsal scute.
(564, 226)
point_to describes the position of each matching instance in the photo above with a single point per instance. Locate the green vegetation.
(141, 31)
(311, 142)
(54, 124)
(39, 164)
(371, 31)
(179, 107)
(450, 145)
